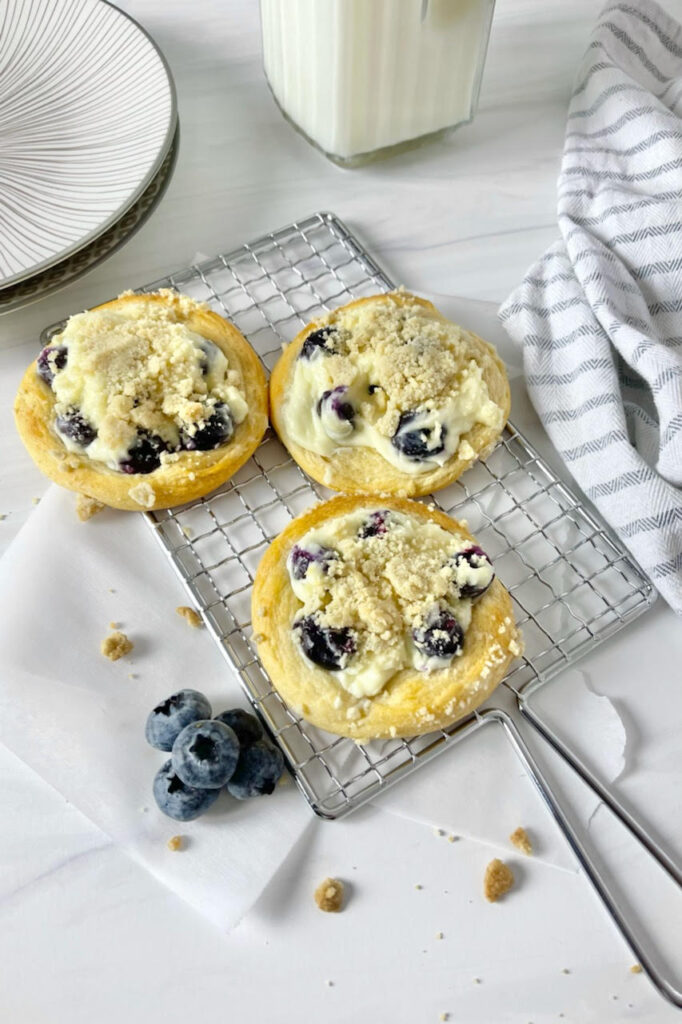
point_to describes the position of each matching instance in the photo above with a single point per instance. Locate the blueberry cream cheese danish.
(381, 617)
(145, 402)
(386, 395)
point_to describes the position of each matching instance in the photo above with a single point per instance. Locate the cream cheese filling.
(391, 363)
(384, 588)
(138, 369)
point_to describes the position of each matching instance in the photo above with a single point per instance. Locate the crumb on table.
(636, 969)
(86, 507)
(176, 843)
(116, 645)
(329, 895)
(520, 839)
(191, 617)
(498, 880)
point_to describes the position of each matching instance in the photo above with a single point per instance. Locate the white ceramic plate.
(59, 275)
(87, 116)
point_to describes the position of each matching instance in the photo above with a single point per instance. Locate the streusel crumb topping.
(116, 646)
(398, 587)
(138, 370)
(382, 362)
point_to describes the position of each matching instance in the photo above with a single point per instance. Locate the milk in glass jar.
(364, 78)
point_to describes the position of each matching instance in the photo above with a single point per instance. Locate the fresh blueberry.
(51, 359)
(145, 454)
(246, 727)
(169, 718)
(320, 341)
(328, 648)
(332, 402)
(258, 771)
(301, 559)
(205, 754)
(74, 426)
(442, 636)
(375, 525)
(217, 429)
(473, 571)
(174, 798)
(419, 442)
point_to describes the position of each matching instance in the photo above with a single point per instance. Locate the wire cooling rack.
(571, 581)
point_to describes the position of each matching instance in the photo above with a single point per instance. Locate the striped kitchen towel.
(600, 314)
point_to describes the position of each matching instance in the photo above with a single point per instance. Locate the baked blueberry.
(217, 429)
(473, 572)
(258, 771)
(333, 402)
(176, 799)
(373, 387)
(246, 727)
(145, 454)
(441, 637)
(301, 559)
(205, 754)
(169, 718)
(51, 359)
(72, 424)
(375, 524)
(418, 442)
(207, 354)
(320, 341)
(328, 648)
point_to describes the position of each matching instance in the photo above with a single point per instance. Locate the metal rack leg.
(612, 802)
(664, 985)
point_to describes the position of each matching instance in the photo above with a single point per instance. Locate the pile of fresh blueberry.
(144, 455)
(208, 755)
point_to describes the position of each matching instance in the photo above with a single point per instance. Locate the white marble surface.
(85, 935)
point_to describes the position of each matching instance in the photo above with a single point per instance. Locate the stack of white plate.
(88, 139)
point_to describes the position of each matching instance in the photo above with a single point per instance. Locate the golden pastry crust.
(193, 473)
(355, 470)
(411, 702)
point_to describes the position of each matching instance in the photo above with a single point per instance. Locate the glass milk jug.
(364, 78)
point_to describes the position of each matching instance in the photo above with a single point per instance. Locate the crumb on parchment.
(176, 843)
(191, 617)
(329, 895)
(86, 507)
(636, 969)
(520, 839)
(498, 880)
(116, 645)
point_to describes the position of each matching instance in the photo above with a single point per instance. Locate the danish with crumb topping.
(386, 395)
(144, 402)
(381, 617)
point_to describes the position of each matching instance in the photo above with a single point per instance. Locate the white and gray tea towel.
(600, 314)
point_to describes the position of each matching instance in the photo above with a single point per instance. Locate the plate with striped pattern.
(87, 117)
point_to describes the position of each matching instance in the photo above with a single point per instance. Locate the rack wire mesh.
(571, 581)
